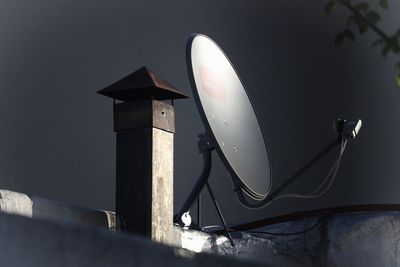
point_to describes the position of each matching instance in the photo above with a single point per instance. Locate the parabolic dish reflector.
(228, 116)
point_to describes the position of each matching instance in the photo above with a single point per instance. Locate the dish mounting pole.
(205, 146)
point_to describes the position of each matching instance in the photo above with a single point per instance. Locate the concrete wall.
(63, 235)
(35, 242)
(41, 208)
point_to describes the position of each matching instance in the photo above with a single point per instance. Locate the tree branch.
(382, 34)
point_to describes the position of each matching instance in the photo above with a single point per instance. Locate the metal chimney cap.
(141, 85)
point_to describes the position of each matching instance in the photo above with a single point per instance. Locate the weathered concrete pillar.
(145, 128)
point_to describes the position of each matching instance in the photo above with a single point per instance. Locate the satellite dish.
(233, 130)
(229, 116)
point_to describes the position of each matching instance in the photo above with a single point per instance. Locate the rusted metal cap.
(141, 85)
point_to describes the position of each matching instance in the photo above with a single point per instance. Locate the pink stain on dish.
(212, 83)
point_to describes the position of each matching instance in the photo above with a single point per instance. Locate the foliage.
(363, 18)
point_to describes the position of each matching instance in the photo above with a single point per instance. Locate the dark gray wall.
(56, 137)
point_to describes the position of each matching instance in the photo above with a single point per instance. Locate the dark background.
(56, 137)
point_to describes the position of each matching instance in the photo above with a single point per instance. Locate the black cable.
(268, 200)
(332, 172)
(288, 234)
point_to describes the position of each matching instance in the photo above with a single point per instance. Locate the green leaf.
(330, 7)
(396, 47)
(362, 26)
(349, 35)
(358, 21)
(341, 36)
(386, 49)
(398, 81)
(373, 17)
(362, 7)
(384, 4)
(397, 34)
(395, 42)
